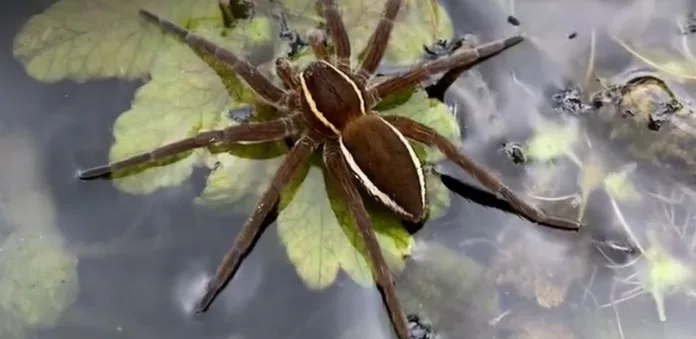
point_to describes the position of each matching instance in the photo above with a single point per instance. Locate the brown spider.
(328, 104)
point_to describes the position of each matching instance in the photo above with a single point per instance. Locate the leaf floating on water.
(187, 95)
(438, 196)
(39, 279)
(184, 97)
(240, 173)
(320, 237)
(83, 39)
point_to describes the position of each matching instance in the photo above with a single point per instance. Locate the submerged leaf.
(82, 39)
(39, 278)
(320, 236)
(619, 187)
(450, 289)
(551, 141)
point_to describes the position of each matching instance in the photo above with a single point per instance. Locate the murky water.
(131, 265)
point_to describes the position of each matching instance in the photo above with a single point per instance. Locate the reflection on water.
(141, 260)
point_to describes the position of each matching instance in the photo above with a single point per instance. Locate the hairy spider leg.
(255, 132)
(341, 174)
(317, 41)
(426, 135)
(244, 241)
(262, 86)
(378, 42)
(461, 59)
(339, 35)
(286, 74)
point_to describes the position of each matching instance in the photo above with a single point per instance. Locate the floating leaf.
(83, 39)
(240, 174)
(186, 95)
(320, 236)
(39, 278)
(438, 196)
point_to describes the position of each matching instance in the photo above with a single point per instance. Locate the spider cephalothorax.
(327, 106)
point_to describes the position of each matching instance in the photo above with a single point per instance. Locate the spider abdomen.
(331, 98)
(386, 165)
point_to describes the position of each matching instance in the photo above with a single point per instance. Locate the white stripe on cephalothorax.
(352, 84)
(372, 188)
(313, 106)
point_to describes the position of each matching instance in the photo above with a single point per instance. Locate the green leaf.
(320, 236)
(438, 196)
(188, 93)
(39, 277)
(240, 175)
(83, 39)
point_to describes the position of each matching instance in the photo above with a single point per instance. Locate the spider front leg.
(424, 134)
(338, 32)
(257, 132)
(341, 174)
(286, 74)
(461, 61)
(317, 41)
(262, 86)
(379, 41)
(243, 242)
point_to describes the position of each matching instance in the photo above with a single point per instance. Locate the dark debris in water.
(443, 47)
(419, 329)
(513, 21)
(241, 114)
(690, 24)
(610, 96)
(233, 10)
(569, 101)
(293, 38)
(663, 114)
(572, 35)
(514, 152)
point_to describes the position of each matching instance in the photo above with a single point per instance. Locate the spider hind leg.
(424, 134)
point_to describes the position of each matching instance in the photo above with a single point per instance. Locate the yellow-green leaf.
(320, 236)
(184, 97)
(189, 93)
(438, 196)
(82, 39)
(39, 277)
(240, 174)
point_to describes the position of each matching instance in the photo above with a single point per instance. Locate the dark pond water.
(142, 260)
